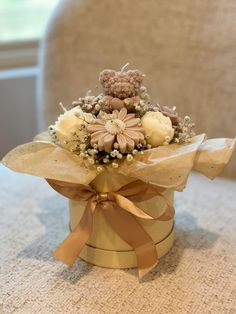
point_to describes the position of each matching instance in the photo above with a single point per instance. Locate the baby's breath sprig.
(89, 103)
(52, 134)
(139, 104)
(184, 131)
(92, 156)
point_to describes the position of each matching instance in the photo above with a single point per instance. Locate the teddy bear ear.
(136, 75)
(105, 75)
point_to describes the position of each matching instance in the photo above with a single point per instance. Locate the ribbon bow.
(120, 211)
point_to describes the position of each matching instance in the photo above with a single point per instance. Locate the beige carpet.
(197, 276)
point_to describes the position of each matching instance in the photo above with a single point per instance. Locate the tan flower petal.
(95, 134)
(100, 121)
(136, 129)
(141, 135)
(122, 114)
(130, 143)
(95, 137)
(95, 127)
(133, 122)
(108, 141)
(94, 141)
(136, 136)
(121, 139)
(101, 141)
(129, 117)
(115, 113)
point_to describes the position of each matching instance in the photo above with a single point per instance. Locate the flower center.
(115, 126)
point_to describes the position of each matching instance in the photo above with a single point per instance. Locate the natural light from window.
(23, 20)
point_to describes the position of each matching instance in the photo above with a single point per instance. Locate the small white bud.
(91, 161)
(99, 169)
(129, 157)
(115, 165)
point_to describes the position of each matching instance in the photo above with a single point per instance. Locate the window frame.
(17, 54)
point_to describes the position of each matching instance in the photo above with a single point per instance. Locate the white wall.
(18, 111)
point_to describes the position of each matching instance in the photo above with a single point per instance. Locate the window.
(22, 23)
(22, 20)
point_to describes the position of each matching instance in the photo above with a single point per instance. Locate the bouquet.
(119, 157)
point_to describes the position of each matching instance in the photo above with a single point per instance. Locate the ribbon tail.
(142, 272)
(129, 229)
(70, 248)
(130, 207)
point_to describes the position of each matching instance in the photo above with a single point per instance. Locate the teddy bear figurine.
(121, 88)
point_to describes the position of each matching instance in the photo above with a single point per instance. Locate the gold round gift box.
(104, 247)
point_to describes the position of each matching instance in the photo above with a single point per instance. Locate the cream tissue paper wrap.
(165, 166)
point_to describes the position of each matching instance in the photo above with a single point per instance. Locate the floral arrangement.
(120, 156)
(119, 123)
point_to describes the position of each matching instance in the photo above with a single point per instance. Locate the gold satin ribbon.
(120, 211)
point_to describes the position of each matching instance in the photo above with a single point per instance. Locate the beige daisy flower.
(117, 127)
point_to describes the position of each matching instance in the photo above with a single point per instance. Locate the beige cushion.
(187, 49)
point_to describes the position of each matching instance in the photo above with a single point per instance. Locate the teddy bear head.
(122, 84)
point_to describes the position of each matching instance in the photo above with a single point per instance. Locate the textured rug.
(197, 276)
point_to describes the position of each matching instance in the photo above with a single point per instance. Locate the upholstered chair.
(186, 48)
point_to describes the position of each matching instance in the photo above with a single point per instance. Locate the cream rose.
(157, 127)
(71, 128)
